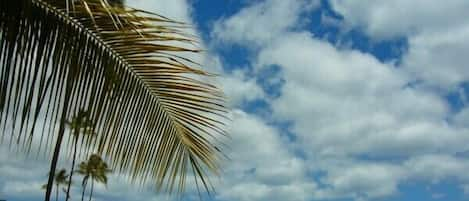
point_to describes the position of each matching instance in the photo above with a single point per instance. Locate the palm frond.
(153, 117)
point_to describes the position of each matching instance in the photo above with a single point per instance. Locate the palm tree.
(79, 124)
(155, 115)
(95, 169)
(60, 178)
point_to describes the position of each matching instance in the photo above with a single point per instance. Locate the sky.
(330, 100)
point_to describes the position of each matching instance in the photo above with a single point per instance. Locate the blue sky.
(331, 100)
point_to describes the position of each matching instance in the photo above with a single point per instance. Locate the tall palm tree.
(60, 178)
(155, 115)
(96, 170)
(79, 124)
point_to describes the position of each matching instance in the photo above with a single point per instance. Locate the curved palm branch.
(153, 116)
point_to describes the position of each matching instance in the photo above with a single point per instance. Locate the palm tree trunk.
(73, 165)
(92, 186)
(60, 136)
(55, 157)
(84, 188)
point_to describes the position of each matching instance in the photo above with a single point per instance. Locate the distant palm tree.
(60, 178)
(155, 115)
(80, 124)
(96, 170)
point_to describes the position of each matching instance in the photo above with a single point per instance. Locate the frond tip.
(152, 116)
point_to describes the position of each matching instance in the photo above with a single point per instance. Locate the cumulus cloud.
(362, 181)
(347, 102)
(387, 19)
(438, 57)
(344, 104)
(262, 21)
(369, 180)
(262, 165)
(437, 167)
(436, 30)
(240, 88)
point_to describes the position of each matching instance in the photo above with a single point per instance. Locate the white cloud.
(439, 57)
(24, 189)
(369, 180)
(387, 19)
(438, 167)
(20, 176)
(240, 88)
(362, 181)
(343, 102)
(347, 104)
(262, 21)
(437, 31)
(262, 165)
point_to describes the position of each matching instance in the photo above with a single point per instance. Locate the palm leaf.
(153, 116)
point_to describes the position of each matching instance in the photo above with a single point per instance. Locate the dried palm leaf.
(153, 117)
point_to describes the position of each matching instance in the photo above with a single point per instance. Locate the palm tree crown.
(95, 169)
(61, 177)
